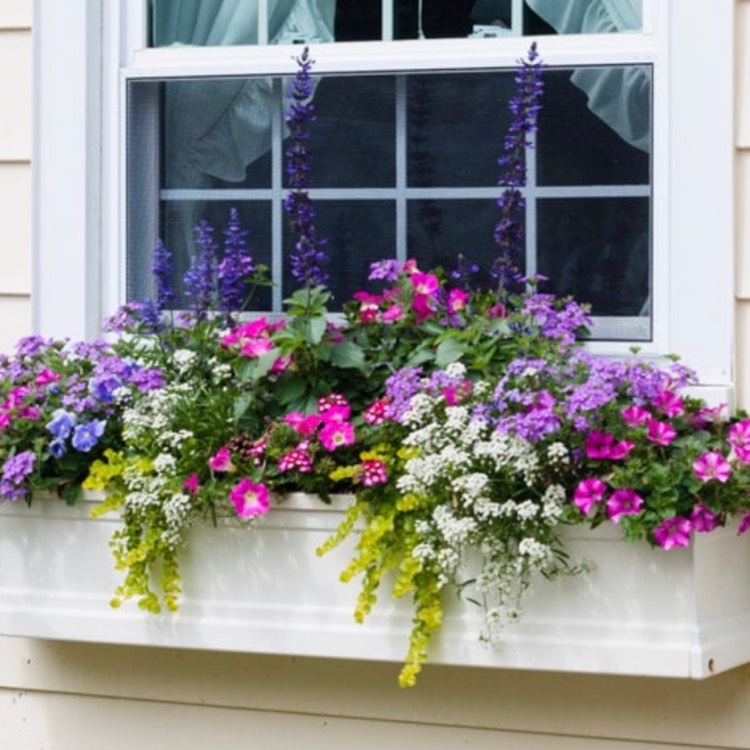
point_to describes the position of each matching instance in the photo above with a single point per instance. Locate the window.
(617, 206)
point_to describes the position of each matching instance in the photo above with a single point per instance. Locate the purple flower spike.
(524, 108)
(309, 255)
(236, 266)
(199, 280)
(161, 269)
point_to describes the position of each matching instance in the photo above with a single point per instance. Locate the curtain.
(620, 97)
(217, 128)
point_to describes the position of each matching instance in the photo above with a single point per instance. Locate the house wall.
(66, 696)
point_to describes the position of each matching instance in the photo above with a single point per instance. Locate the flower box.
(640, 611)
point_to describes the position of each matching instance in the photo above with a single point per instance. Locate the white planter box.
(682, 613)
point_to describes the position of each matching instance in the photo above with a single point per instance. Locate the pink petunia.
(674, 532)
(703, 518)
(426, 284)
(598, 445)
(712, 465)
(303, 424)
(457, 301)
(221, 460)
(623, 502)
(739, 438)
(393, 314)
(661, 433)
(192, 484)
(588, 493)
(621, 450)
(249, 498)
(635, 416)
(744, 524)
(336, 434)
(47, 376)
(669, 403)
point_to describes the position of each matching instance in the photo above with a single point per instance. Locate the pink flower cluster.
(423, 299)
(16, 406)
(709, 466)
(254, 339)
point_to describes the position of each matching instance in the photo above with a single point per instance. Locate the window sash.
(86, 49)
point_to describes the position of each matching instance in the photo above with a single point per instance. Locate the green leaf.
(291, 390)
(450, 350)
(348, 355)
(241, 405)
(71, 493)
(314, 329)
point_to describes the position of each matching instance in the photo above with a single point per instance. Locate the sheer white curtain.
(217, 128)
(618, 96)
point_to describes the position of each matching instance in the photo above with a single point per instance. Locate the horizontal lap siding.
(15, 171)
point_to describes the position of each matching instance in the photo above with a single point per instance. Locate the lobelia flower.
(623, 502)
(588, 493)
(712, 465)
(86, 436)
(674, 532)
(62, 423)
(249, 498)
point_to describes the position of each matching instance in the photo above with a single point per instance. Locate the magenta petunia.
(712, 465)
(621, 449)
(426, 284)
(336, 434)
(703, 518)
(192, 484)
(221, 460)
(661, 433)
(634, 416)
(623, 502)
(674, 532)
(669, 403)
(249, 498)
(588, 493)
(598, 445)
(744, 524)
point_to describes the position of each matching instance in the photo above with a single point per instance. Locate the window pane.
(237, 22)
(597, 250)
(403, 166)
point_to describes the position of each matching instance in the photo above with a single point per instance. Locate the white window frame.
(86, 49)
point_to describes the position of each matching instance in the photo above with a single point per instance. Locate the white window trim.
(81, 47)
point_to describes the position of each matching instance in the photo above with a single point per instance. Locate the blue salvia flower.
(161, 270)
(309, 255)
(524, 108)
(199, 279)
(235, 267)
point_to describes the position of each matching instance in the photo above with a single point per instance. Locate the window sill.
(638, 612)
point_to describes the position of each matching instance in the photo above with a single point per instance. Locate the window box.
(638, 612)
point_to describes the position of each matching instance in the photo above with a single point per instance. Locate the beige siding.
(86, 697)
(15, 171)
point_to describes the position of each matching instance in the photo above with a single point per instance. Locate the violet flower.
(161, 270)
(309, 255)
(199, 279)
(235, 267)
(524, 108)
